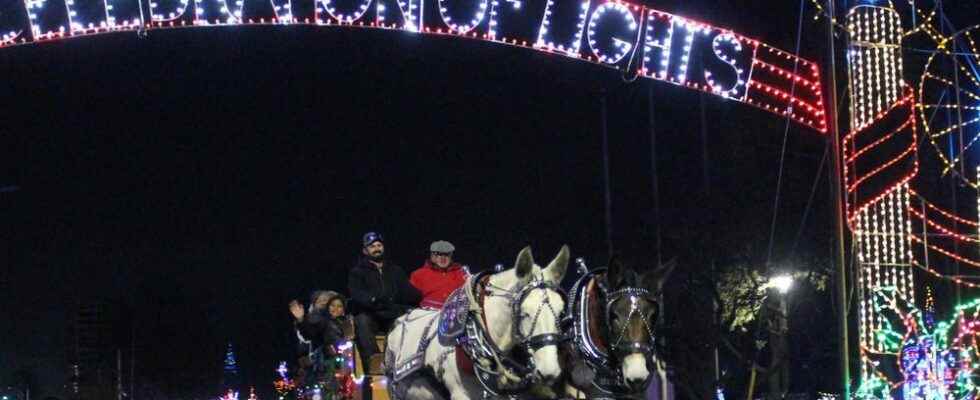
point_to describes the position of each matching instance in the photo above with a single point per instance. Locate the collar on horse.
(496, 370)
(595, 343)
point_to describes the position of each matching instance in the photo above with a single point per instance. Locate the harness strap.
(477, 295)
(464, 363)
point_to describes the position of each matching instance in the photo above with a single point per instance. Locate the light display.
(285, 387)
(546, 35)
(166, 12)
(347, 11)
(880, 158)
(230, 369)
(617, 34)
(718, 47)
(949, 109)
(476, 16)
(933, 360)
(875, 61)
(619, 48)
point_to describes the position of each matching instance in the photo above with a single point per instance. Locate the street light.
(782, 283)
(779, 382)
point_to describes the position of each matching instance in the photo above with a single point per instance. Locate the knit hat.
(370, 238)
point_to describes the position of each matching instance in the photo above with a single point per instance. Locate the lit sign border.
(658, 45)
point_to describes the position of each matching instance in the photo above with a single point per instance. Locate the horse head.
(523, 308)
(631, 315)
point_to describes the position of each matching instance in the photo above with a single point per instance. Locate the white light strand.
(73, 25)
(739, 84)
(466, 27)
(693, 29)
(906, 240)
(656, 43)
(33, 8)
(158, 15)
(113, 20)
(666, 57)
(346, 17)
(883, 229)
(407, 9)
(284, 12)
(494, 12)
(621, 47)
(571, 49)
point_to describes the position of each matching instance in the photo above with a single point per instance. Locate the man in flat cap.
(439, 276)
(380, 292)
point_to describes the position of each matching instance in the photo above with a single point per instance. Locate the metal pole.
(605, 174)
(119, 384)
(784, 344)
(132, 360)
(838, 204)
(706, 174)
(963, 146)
(654, 180)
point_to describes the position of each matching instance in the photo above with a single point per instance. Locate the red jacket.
(437, 284)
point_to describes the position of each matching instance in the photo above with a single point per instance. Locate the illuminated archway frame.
(631, 38)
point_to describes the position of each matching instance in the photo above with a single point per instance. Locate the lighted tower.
(879, 162)
(230, 375)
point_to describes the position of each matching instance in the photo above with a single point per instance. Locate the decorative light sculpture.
(878, 193)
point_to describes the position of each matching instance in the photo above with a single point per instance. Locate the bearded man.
(380, 293)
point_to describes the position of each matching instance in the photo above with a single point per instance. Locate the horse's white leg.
(573, 392)
(443, 359)
(457, 389)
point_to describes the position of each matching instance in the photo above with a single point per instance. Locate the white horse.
(508, 314)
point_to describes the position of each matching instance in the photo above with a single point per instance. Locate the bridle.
(529, 340)
(620, 346)
(488, 359)
(605, 362)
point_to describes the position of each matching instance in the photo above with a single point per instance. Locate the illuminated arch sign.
(632, 38)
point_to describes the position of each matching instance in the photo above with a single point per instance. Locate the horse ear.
(615, 273)
(524, 266)
(557, 267)
(654, 280)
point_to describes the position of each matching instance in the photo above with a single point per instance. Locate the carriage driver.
(380, 293)
(439, 276)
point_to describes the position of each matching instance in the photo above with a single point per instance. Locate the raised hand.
(297, 310)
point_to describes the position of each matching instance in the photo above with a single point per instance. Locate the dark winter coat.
(385, 293)
(320, 329)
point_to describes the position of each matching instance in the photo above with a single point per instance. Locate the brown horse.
(612, 315)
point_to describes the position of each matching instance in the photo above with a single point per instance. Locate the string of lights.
(746, 70)
(953, 94)
(880, 157)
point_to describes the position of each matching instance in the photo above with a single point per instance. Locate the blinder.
(535, 342)
(524, 368)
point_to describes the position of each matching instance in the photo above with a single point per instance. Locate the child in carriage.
(324, 332)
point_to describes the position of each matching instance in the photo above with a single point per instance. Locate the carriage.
(516, 334)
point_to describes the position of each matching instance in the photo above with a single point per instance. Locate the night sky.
(205, 177)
